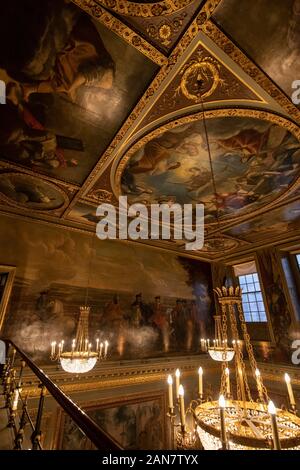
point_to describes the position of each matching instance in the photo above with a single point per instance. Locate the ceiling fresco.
(254, 162)
(69, 88)
(273, 223)
(102, 99)
(271, 38)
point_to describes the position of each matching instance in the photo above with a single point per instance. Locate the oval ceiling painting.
(254, 162)
(30, 192)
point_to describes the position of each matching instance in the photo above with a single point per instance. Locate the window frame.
(260, 313)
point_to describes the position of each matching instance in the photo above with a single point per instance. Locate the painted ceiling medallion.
(255, 162)
(30, 192)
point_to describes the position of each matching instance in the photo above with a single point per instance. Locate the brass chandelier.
(236, 421)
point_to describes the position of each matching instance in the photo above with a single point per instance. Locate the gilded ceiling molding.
(145, 10)
(210, 114)
(221, 40)
(100, 14)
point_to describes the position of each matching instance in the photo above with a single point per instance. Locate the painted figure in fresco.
(26, 140)
(155, 160)
(178, 324)
(136, 317)
(67, 54)
(160, 321)
(116, 323)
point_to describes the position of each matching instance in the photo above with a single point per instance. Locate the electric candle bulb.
(222, 402)
(290, 390)
(271, 408)
(272, 412)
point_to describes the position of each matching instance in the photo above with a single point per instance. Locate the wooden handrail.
(99, 437)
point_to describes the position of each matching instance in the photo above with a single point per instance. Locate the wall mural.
(134, 425)
(274, 43)
(69, 87)
(147, 303)
(254, 162)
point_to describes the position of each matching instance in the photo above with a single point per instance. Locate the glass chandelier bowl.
(248, 426)
(82, 358)
(221, 354)
(78, 362)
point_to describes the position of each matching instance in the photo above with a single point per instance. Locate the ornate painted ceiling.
(102, 101)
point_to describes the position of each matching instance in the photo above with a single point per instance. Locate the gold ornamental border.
(36, 179)
(211, 114)
(145, 10)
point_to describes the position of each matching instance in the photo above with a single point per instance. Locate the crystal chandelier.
(81, 358)
(236, 421)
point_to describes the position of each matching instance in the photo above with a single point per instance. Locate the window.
(253, 304)
(298, 260)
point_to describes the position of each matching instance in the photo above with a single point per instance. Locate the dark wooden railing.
(99, 438)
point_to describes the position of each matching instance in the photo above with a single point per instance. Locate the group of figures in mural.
(142, 327)
(177, 328)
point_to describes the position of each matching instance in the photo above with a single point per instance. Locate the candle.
(208, 343)
(181, 405)
(200, 373)
(90, 347)
(62, 346)
(290, 390)
(272, 413)
(227, 382)
(170, 388)
(177, 382)
(222, 405)
(73, 345)
(86, 345)
(59, 349)
(101, 348)
(259, 384)
(105, 348)
(97, 344)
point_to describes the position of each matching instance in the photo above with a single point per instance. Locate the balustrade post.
(23, 421)
(36, 435)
